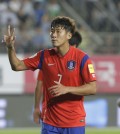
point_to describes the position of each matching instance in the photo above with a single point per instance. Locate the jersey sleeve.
(32, 62)
(40, 76)
(87, 70)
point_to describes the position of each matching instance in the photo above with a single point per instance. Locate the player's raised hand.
(9, 39)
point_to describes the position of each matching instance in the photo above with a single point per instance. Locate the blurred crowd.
(103, 16)
(31, 19)
(100, 15)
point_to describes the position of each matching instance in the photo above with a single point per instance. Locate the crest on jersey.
(71, 64)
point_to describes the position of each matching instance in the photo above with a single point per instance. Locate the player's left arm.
(87, 89)
(87, 73)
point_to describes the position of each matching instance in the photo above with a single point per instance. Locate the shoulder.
(49, 52)
(79, 53)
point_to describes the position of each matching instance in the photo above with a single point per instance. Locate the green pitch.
(37, 131)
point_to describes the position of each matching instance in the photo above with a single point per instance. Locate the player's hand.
(36, 115)
(58, 89)
(9, 39)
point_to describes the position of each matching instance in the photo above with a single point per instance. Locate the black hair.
(65, 22)
(76, 39)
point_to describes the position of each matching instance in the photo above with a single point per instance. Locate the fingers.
(54, 92)
(53, 87)
(8, 30)
(9, 39)
(56, 82)
(11, 31)
(5, 38)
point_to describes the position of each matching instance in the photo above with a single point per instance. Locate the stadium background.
(98, 21)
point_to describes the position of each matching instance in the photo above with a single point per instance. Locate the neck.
(62, 50)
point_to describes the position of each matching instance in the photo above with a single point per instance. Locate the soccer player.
(68, 76)
(75, 40)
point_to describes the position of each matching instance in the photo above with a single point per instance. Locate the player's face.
(59, 36)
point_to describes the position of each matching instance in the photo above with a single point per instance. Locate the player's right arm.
(9, 39)
(16, 64)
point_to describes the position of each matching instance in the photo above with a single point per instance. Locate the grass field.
(109, 130)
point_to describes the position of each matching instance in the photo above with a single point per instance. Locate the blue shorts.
(48, 129)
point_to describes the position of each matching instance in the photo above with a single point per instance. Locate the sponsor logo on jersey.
(71, 64)
(51, 64)
(91, 68)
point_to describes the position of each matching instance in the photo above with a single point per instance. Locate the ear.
(69, 35)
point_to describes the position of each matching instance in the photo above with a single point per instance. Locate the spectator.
(9, 17)
(15, 5)
(38, 13)
(53, 8)
(38, 40)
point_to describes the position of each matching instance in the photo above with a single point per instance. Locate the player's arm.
(9, 39)
(87, 89)
(38, 98)
(38, 94)
(16, 64)
(88, 76)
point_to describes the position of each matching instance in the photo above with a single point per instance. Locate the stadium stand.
(98, 22)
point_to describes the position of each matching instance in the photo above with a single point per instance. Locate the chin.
(55, 45)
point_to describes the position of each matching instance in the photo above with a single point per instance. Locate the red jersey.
(73, 69)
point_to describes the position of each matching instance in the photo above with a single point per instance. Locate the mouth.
(54, 40)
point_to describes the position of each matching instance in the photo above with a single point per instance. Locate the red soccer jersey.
(73, 69)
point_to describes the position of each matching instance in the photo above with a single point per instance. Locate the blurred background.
(98, 21)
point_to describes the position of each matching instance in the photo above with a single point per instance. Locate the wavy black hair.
(76, 39)
(67, 23)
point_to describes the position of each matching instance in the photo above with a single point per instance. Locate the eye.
(58, 31)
